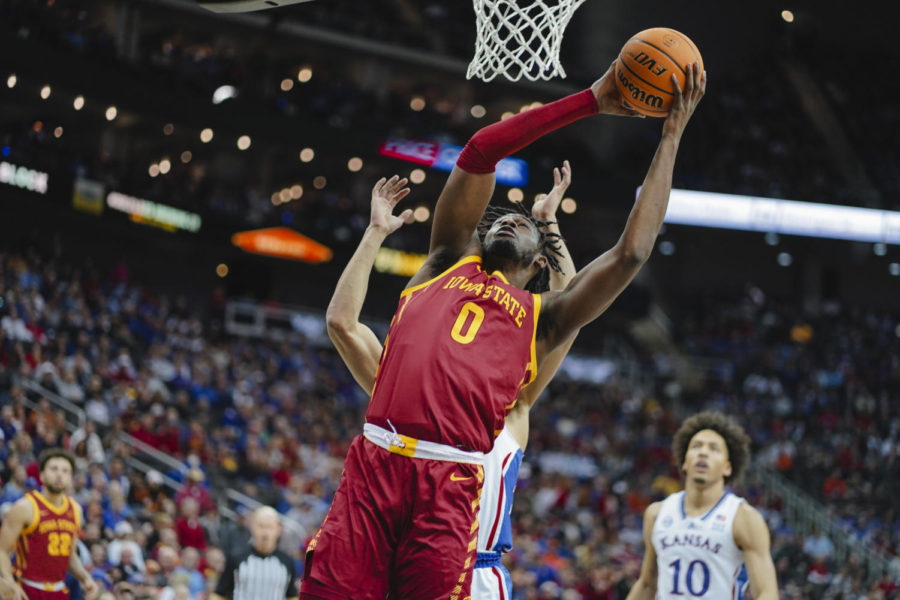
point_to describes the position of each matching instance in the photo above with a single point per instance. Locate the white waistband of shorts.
(47, 586)
(413, 448)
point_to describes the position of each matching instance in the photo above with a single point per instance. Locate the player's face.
(706, 460)
(57, 475)
(512, 237)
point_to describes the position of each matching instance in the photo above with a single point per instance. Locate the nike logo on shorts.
(453, 477)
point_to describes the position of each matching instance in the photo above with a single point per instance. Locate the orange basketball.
(645, 66)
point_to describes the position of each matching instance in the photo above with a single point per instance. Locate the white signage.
(153, 212)
(23, 177)
(811, 219)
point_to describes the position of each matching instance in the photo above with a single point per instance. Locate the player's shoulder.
(748, 514)
(748, 525)
(652, 511)
(22, 510)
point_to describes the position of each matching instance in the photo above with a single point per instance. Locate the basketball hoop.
(518, 41)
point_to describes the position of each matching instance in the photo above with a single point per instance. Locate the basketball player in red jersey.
(42, 528)
(468, 334)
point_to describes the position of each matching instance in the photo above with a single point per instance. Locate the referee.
(261, 571)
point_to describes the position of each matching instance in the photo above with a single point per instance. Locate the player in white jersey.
(700, 541)
(361, 351)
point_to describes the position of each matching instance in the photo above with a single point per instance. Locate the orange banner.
(282, 242)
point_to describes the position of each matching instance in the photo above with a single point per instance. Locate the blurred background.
(149, 147)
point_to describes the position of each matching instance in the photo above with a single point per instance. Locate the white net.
(520, 38)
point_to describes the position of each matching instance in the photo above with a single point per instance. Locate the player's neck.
(700, 498)
(54, 499)
(514, 273)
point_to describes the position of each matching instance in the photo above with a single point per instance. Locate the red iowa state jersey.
(44, 547)
(459, 348)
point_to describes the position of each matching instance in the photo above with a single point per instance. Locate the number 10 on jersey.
(693, 586)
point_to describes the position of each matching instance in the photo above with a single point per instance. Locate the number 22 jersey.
(45, 544)
(459, 349)
(696, 557)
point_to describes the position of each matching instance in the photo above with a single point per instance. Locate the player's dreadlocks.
(549, 242)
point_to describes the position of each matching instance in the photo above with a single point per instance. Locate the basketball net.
(518, 38)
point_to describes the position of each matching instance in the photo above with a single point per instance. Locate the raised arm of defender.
(356, 343)
(596, 286)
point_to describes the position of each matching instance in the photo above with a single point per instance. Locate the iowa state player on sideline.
(470, 330)
(360, 349)
(42, 528)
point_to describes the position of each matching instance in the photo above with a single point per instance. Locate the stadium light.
(223, 93)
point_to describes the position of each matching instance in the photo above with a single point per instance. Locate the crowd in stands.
(818, 390)
(274, 420)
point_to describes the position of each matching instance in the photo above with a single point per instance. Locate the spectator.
(16, 487)
(124, 532)
(195, 488)
(190, 531)
(818, 545)
(94, 445)
(190, 559)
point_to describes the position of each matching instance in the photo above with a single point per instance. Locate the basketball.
(645, 66)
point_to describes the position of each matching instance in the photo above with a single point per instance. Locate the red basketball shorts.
(34, 593)
(402, 525)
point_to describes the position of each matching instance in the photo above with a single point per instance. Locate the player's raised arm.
(645, 587)
(471, 183)
(544, 210)
(751, 534)
(356, 343)
(596, 286)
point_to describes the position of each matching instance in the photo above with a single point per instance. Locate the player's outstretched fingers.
(398, 196)
(678, 100)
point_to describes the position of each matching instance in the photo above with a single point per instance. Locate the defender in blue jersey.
(361, 350)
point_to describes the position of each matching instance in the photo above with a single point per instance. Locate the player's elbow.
(338, 325)
(634, 253)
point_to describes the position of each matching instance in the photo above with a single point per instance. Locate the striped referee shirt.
(250, 575)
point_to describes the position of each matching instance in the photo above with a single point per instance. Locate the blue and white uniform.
(490, 579)
(696, 557)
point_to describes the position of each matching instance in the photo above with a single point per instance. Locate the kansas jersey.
(501, 471)
(45, 544)
(490, 580)
(696, 557)
(458, 351)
